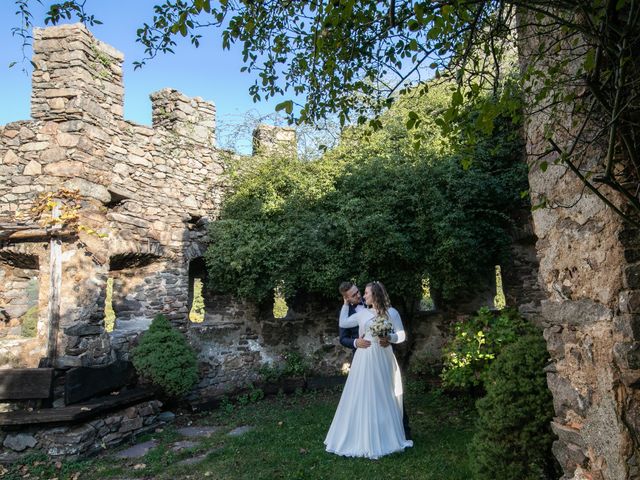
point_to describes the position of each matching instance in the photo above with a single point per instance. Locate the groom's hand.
(362, 343)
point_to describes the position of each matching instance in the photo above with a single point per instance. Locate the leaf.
(456, 98)
(287, 106)
(543, 166)
(413, 119)
(590, 60)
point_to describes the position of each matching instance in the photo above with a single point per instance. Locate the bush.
(476, 343)
(165, 358)
(513, 436)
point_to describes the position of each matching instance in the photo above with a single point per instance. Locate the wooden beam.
(26, 383)
(75, 413)
(82, 383)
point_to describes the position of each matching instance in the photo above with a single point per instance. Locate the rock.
(19, 441)
(32, 168)
(82, 329)
(237, 432)
(65, 168)
(137, 451)
(197, 431)
(89, 189)
(166, 417)
(10, 158)
(183, 445)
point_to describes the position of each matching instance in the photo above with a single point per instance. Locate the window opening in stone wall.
(426, 301)
(19, 295)
(280, 307)
(197, 281)
(194, 221)
(116, 199)
(196, 315)
(499, 301)
(109, 313)
(30, 318)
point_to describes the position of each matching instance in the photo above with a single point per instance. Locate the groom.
(349, 336)
(350, 339)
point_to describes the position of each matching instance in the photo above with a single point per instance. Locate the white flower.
(381, 327)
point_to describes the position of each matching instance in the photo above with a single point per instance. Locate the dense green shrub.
(513, 436)
(476, 343)
(395, 204)
(165, 358)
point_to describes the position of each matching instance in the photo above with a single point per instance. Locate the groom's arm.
(348, 337)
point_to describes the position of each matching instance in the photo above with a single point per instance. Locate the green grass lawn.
(287, 443)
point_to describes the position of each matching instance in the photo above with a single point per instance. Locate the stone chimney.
(75, 77)
(268, 139)
(194, 118)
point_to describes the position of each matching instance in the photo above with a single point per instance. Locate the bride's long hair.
(380, 297)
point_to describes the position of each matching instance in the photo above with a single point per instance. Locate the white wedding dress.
(368, 421)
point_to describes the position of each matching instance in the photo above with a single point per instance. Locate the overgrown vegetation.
(374, 207)
(477, 342)
(164, 357)
(513, 435)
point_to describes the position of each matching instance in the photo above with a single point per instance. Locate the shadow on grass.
(286, 442)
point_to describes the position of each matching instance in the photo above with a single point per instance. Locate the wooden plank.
(83, 383)
(55, 287)
(26, 383)
(75, 413)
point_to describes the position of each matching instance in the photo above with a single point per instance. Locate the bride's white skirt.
(368, 421)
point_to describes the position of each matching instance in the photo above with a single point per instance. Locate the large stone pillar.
(589, 272)
(75, 76)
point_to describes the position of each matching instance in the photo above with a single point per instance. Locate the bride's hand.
(384, 341)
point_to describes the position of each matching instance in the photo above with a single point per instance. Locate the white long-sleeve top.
(361, 318)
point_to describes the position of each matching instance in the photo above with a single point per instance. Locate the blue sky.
(207, 71)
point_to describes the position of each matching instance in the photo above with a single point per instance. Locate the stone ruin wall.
(589, 271)
(142, 187)
(152, 191)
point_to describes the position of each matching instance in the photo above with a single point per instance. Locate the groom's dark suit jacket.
(348, 335)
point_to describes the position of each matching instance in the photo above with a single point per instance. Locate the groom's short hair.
(345, 287)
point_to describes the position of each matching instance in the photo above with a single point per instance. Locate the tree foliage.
(355, 58)
(375, 207)
(476, 343)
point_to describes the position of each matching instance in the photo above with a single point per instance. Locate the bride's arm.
(399, 335)
(345, 320)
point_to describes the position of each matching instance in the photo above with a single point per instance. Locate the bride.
(368, 421)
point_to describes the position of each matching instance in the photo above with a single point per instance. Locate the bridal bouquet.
(381, 327)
